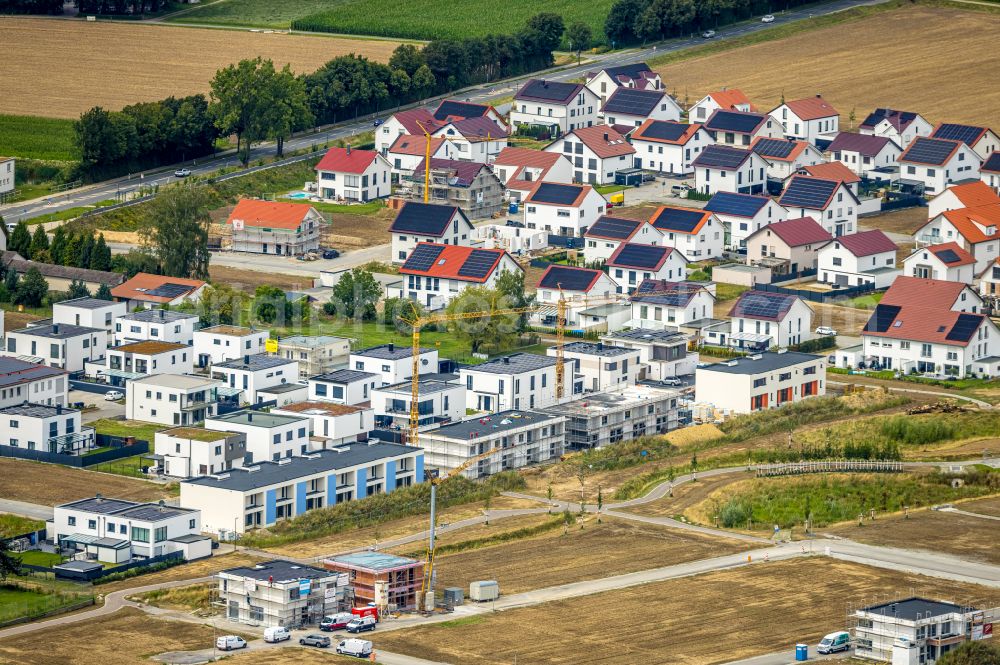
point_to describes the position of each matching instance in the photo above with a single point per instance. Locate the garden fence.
(828, 466)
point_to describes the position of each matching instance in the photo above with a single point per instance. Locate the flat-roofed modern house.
(22, 381)
(332, 424)
(172, 399)
(344, 386)
(159, 325)
(59, 345)
(269, 436)
(624, 413)
(138, 359)
(401, 578)
(663, 353)
(438, 402)
(316, 354)
(44, 427)
(516, 381)
(218, 344)
(602, 367)
(761, 381)
(254, 373)
(195, 451)
(394, 364)
(89, 312)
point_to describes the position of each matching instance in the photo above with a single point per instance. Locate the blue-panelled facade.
(390, 475)
(361, 484)
(300, 497)
(419, 476)
(270, 506)
(331, 489)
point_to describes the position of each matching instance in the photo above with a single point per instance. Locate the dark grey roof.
(321, 461)
(548, 91)
(596, 349)
(102, 506)
(648, 335)
(767, 362)
(60, 331)
(424, 386)
(569, 278)
(515, 363)
(807, 192)
(19, 264)
(450, 108)
(87, 303)
(426, 219)
(79, 566)
(151, 512)
(190, 538)
(631, 101)
(14, 371)
(157, 316)
(899, 119)
(116, 543)
(36, 410)
(283, 388)
(492, 424)
(633, 70)
(738, 205)
(344, 376)
(908, 608)
(389, 352)
(740, 122)
(258, 419)
(721, 157)
(253, 363)
(967, 134)
(992, 163)
(926, 150)
(613, 228)
(280, 571)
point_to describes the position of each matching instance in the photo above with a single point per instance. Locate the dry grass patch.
(186, 571)
(195, 597)
(249, 280)
(687, 495)
(989, 506)
(52, 484)
(770, 606)
(290, 656)
(953, 49)
(689, 436)
(116, 64)
(348, 231)
(905, 221)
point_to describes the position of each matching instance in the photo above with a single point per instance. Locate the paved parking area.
(104, 409)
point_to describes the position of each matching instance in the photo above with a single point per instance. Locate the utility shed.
(403, 577)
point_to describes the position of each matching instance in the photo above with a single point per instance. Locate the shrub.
(816, 344)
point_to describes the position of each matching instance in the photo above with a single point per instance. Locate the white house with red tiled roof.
(967, 195)
(521, 169)
(787, 247)
(785, 157)
(866, 257)
(938, 163)
(976, 230)
(353, 175)
(989, 284)
(565, 210)
(697, 233)
(412, 122)
(989, 172)
(728, 100)
(899, 126)
(761, 320)
(409, 150)
(863, 153)
(668, 147)
(435, 274)
(605, 235)
(981, 139)
(597, 153)
(582, 288)
(947, 262)
(274, 227)
(631, 265)
(474, 139)
(834, 171)
(150, 291)
(808, 119)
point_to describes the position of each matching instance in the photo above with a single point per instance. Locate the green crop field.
(36, 138)
(415, 19)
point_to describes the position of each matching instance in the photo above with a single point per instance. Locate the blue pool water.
(298, 195)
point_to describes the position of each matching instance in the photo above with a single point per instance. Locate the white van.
(834, 642)
(276, 634)
(355, 647)
(230, 642)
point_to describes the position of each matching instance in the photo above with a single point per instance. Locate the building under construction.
(471, 186)
(278, 593)
(369, 573)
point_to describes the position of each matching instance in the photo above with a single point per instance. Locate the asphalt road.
(483, 93)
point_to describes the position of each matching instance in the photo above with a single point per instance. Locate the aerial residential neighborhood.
(620, 332)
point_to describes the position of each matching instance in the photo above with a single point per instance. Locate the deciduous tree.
(31, 289)
(176, 228)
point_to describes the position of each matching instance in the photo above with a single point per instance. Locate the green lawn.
(126, 428)
(16, 601)
(39, 558)
(37, 138)
(728, 291)
(610, 189)
(15, 525)
(71, 213)
(863, 302)
(369, 208)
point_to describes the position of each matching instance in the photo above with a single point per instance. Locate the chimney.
(163, 505)
(246, 359)
(162, 315)
(348, 148)
(600, 346)
(249, 416)
(55, 328)
(98, 497)
(58, 409)
(506, 360)
(605, 137)
(392, 347)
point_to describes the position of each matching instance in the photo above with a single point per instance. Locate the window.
(191, 524)
(758, 383)
(140, 535)
(160, 534)
(91, 524)
(71, 521)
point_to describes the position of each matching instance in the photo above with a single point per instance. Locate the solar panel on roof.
(549, 192)
(734, 121)
(812, 193)
(947, 255)
(613, 227)
(882, 318)
(779, 148)
(722, 157)
(423, 218)
(632, 101)
(665, 131)
(967, 134)
(965, 327)
(929, 151)
(682, 220)
(762, 305)
(740, 205)
(169, 290)
(570, 279)
(640, 256)
(478, 263)
(423, 257)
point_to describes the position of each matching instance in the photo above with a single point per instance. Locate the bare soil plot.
(953, 49)
(613, 547)
(290, 656)
(989, 506)
(347, 231)
(52, 484)
(187, 571)
(770, 606)
(116, 64)
(905, 221)
(249, 280)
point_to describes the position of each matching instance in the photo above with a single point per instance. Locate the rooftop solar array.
(682, 220)
(734, 121)
(665, 131)
(812, 193)
(778, 148)
(928, 151)
(721, 157)
(633, 101)
(548, 90)
(570, 279)
(169, 290)
(640, 256)
(478, 264)
(762, 305)
(947, 255)
(739, 205)
(423, 257)
(423, 218)
(679, 298)
(549, 192)
(965, 327)
(882, 318)
(613, 227)
(450, 107)
(967, 134)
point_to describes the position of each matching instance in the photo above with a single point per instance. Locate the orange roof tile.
(918, 292)
(730, 99)
(138, 287)
(973, 194)
(450, 261)
(811, 108)
(407, 144)
(973, 223)
(833, 171)
(927, 324)
(958, 256)
(603, 140)
(273, 214)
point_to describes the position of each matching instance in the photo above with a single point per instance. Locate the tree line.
(115, 7)
(77, 249)
(31, 6)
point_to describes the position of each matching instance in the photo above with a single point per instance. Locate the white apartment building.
(663, 354)
(761, 381)
(217, 344)
(89, 312)
(629, 412)
(394, 364)
(601, 367)
(186, 452)
(316, 354)
(171, 399)
(559, 107)
(438, 402)
(269, 436)
(332, 424)
(61, 345)
(353, 175)
(138, 359)
(51, 429)
(344, 386)
(513, 382)
(279, 593)
(158, 325)
(253, 373)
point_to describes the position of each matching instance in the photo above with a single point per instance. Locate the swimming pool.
(297, 195)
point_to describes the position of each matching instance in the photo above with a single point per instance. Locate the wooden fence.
(828, 466)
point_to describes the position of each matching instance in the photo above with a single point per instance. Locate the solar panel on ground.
(169, 290)
(778, 148)
(613, 227)
(478, 263)
(758, 304)
(811, 193)
(965, 133)
(740, 205)
(570, 279)
(549, 192)
(882, 318)
(633, 101)
(965, 327)
(682, 220)
(423, 257)
(929, 151)
(734, 121)
(665, 131)
(721, 157)
(640, 256)
(947, 255)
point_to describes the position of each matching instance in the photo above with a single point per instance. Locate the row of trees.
(31, 6)
(67, 247)
(114, 7)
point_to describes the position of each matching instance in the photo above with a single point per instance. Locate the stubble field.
(116, 64)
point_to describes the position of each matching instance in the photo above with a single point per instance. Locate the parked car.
(277, 634)
(336, 622)
(768, 18)
(330, 253)
(182, 173)
(315, 640)
(826, 331)
(708, 34)
(378, 121)
(355, 647)
(230, 642)
(673, 382)
(834, 642)
(113, 396)
(361, 624)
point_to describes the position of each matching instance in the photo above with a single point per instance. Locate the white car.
(182, 173)
(769, 18)
(230, 642)
(113, 396)
(826, 331)
(674, 382)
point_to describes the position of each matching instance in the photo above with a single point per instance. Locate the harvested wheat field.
(890, 59)
(116, 64)
(614, 547)
(769, 606)
(52, 484)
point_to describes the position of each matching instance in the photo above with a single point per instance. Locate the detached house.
(140, 359)
(597, 153)
(668, 147)
(866, 257)
(408, 151)
(723, 169)
(412, 122)
(601, 367)
(787, 247)
(981, 139)
(660, 304)
(785, 157)
(428, 222)
(967, 195)
(810, 119)
(829, 202)
(834, 171)
(632, 264)
(554, 106)
(471, 186)
(517, 381)
(936, 163)
(762, 320)
(739, 129)
(353, 175)
(761, 381)
(58, 345)
(989, 172)
(864, 153)
(393, 364)
(635, 76)
(976, 230)
(272, 227)
(580, 287)
(742, 214)
(607, 233)
(727, 100)
(149, 291)
(158, 325)
(474, 139)
(434, 274)
(947, 262)
(697, 233)
(901, 127)
(565, 210)
(628, 108)
(521, 169)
